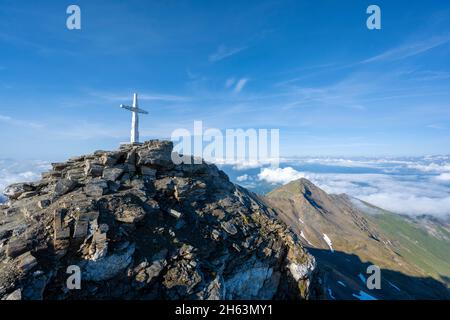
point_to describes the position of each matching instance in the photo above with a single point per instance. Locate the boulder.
(27, 194)
(174, 213)
(26, 262)
(131, 157)
(93, 169)
(229, 227)
(96, 187)
(148, 172)
(59, 166)
(112, 174)
(156, 154)
(75, 174)
(15, 190)
(99, 245)
(110, 159)
(61, 231)
(180, 280)
(64, 186)
(108, 267)
(147, 272)
(81, 227)
(16, 246)
(130, 214)
(44, 203)
(15, 295)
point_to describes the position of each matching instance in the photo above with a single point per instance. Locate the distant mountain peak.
(338, 229)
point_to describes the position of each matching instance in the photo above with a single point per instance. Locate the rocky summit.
(137, 226)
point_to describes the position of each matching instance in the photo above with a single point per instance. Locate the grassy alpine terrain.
(346, 235)
(423, 243)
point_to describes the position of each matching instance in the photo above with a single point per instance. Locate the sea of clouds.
(12, 171)
(412, 186)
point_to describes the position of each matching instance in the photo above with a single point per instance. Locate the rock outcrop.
(137, 226)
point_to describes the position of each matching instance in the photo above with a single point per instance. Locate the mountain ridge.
(333, 223)
(139, 227)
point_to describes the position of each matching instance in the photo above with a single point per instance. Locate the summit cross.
(135, 110)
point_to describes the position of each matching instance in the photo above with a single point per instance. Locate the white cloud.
(240, 85)
(280, 175)
(411, 204)
(242, 178)
(443, 177)
(407, 194)
(431, 167)
(244, 164)
(428, 164)
(224, 52)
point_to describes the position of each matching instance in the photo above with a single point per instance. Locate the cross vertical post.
(134, 138)
(135, 110)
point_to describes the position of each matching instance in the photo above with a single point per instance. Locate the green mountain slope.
(346, 235)
(418, 246)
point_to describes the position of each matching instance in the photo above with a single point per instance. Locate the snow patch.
(328, 241)
(341, 283)
(363, 296)
(330, 293)
(302, 234)
(363, 279)
(394, 286)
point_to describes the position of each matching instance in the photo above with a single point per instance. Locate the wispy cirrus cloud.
(240, 85)
(142, 96)
(223, 52)
(436, 126)
(20, 123)
(410, 49)
(237, 85)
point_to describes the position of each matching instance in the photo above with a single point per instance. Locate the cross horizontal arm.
(133, 109)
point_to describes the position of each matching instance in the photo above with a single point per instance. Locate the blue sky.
(310, 68)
